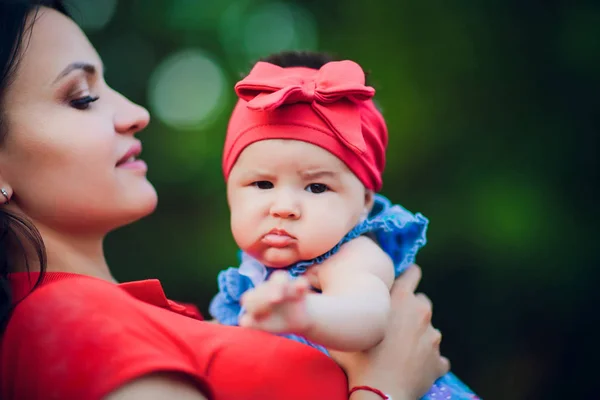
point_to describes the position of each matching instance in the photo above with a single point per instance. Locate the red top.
(77, 337)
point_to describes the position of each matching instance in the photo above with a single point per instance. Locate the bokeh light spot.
(194, 15)
(92, 15)
(275, 27)
(187, 89)
(249, 31)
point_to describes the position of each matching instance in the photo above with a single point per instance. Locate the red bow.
(269, 86)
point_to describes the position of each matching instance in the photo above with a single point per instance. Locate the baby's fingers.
(260, 301)
(279, 286)
(247, 321)
(297, 289)
(284, 288)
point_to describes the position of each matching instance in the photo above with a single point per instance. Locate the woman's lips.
(134, 164)
(130, 156)
(130, 160)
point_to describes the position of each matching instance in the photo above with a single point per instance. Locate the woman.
(69, 174)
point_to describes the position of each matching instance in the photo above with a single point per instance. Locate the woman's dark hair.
(18, 236)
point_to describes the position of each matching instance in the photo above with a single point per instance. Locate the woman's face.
(65, 159)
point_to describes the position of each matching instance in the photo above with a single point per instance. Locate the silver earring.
(5, 194)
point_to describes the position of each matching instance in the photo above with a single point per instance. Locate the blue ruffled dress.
(398, 232)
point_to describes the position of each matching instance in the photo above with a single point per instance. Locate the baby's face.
(292, 201)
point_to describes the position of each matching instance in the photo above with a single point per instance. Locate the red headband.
(330, 108)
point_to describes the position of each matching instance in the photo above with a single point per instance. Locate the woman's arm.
(158, 387)
(104, 339)
(404, 364)
(349, 315)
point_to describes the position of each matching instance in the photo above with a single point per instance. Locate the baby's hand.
(278, 305)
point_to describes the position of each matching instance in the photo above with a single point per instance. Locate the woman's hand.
(407, 361)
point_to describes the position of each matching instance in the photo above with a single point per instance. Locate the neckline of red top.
(148, 290)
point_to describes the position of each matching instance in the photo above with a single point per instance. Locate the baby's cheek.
(335, 223)
(240, 228)
(328, 229)
(325, 236)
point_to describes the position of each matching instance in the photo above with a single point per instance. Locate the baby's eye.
(317, 188)
(263, 185)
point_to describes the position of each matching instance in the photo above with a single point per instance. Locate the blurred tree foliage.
(493, 115)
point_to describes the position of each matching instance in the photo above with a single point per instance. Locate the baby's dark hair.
(308, 59)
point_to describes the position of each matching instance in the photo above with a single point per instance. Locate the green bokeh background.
(492, 108)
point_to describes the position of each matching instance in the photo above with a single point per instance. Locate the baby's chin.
(282, 258)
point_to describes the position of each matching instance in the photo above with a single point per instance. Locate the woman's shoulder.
(82, 337)
(63, 295)
(82, 304)
(74, 299)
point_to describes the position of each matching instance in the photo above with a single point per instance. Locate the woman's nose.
(130, 118)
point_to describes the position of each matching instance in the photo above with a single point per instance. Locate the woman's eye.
(317, 188)
(83, 103)
(263, 185)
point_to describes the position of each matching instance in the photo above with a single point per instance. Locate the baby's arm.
(349, 315)
(352, 311)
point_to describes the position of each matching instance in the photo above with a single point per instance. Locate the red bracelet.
(369, 389)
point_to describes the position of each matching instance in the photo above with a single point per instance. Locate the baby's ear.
(369, 201)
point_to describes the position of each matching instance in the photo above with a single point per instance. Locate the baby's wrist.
(308, 327)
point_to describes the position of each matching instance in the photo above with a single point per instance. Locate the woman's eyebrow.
(88, 68)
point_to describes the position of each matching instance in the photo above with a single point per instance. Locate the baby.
(303, 161)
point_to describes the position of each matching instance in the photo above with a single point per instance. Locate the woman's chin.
(138, 206)
(148, 202)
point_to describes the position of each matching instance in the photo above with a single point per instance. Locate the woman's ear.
(6, 190)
